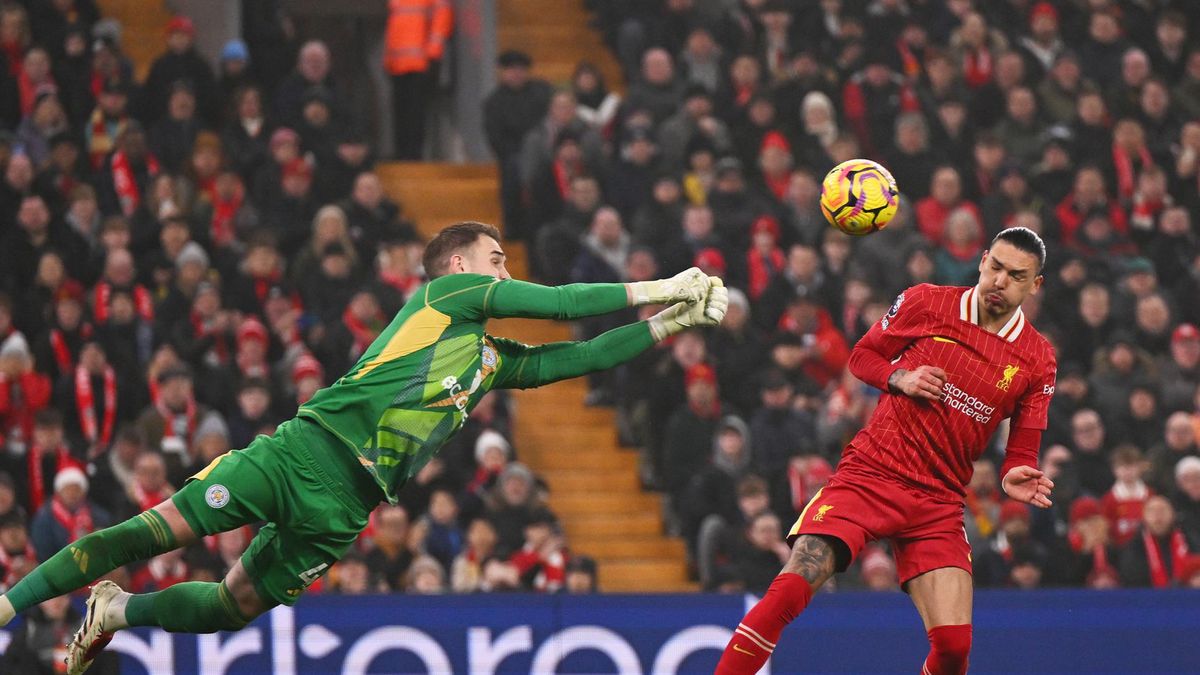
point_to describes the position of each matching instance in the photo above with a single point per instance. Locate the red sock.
(949, 647)
(755, 637)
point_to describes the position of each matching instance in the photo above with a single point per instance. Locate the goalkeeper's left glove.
(690, 285)
(680, 317)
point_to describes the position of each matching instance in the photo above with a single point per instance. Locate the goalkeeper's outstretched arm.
(512, 298)
(533, 366)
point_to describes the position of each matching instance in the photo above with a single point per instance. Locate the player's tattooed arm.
(812, 558)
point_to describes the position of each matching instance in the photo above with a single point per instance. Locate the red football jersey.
(990, 377)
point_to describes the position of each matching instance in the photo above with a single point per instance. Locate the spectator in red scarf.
(1087, 196)
(206, 339)
(23, 392)
(982, 512)
(252, 342)
(361, 322)
(1123, 503)
(765, 258)
(945, 196)
(775, 162)
(127, 173)
(149, 486)
(871, 101)
(398, 272)
(1091, 557)
(1010, 547)
(1130, 157)
(107, 121)
(67, 516)
(94, 400)
(170, 421)
(1155, 556)
(120, 275)
(542, 560)
(48, 454)
(825, 352)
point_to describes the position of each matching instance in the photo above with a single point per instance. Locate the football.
(859, 196)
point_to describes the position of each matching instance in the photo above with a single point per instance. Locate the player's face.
(1007, 275)
(483, 257)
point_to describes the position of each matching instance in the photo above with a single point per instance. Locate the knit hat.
(1013, 510)
(181, 24)
(1185, 332)
(517, 470)
(306, 365)
(765, 224)
(1185, 466)
(283, 135)
(191, 253)
(711, 258)
(212, 425)
(1042, 9)
(14, 345)
(774, 139)
(173, 371)
(235, 50)
(491, 439)
(1085, 507)
(72, 475)
(252, 329)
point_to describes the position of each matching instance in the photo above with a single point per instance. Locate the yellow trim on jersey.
(203, 473)
(804, 512)
(419, 331)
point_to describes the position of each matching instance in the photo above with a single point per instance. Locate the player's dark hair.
(452, 240)
(1026, 240)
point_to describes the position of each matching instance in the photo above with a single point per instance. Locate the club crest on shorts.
(217, 496)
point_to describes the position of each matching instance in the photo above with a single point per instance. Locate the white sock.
(114, 614)
(7, 613)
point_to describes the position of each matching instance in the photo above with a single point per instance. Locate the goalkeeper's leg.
(144, 536)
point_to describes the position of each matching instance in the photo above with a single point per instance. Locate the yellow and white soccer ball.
(859, 196)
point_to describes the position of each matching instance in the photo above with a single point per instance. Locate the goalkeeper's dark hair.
(1026, 240)
(453, 240)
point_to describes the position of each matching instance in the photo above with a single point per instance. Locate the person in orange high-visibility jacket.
(417, 31)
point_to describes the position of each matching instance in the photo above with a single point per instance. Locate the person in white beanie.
(67, 516)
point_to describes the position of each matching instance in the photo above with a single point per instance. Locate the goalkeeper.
(356, 442)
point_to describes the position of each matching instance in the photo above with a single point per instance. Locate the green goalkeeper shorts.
(309, 488)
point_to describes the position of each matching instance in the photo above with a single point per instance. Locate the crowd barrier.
(1015, 632)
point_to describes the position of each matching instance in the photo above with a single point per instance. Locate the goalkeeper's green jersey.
(419, 380)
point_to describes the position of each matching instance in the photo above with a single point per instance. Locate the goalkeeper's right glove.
(690, 285)
(680, 317)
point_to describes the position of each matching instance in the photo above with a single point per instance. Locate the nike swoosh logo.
(738, 648)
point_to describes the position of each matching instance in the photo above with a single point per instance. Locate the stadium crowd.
(1077, 119)
(186, 258)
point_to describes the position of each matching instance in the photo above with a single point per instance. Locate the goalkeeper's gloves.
(680, 317)
(690, 285)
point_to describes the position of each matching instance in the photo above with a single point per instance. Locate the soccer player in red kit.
(953, 363)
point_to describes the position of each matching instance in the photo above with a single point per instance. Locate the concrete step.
(611, 502)
(645, 574)
(430, 170)
(541, 458)
(591, 480)
(629, 546)
(581, 528)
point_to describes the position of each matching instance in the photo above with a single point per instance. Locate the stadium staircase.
(593, 482)
(556, 35)
(142, 23)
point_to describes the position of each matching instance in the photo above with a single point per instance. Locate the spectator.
(350, 576)
(1180, 376)
(415, 40)
(687, 441)
(67, 516)
(23, 392)
(712, 491)
(1123, 502)
(183, 62)
(391, 557)
(582, 576)
(1186, 499)
(466, 575)
(982, 512)
(425, 577)
(17, 556)
(513, 503)
(162, 571)
(658, 90)
(443, 537)
(1155, 556)
(1179, 442)
(510, 112)
(945, 196)
(756, 563)
(313, 65)
(541, 562)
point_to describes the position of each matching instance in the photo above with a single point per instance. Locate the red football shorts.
(857, 507)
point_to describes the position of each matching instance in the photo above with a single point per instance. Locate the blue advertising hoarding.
(1040, 632)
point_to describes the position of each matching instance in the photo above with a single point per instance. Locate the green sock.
(190, 607)
(91, 557)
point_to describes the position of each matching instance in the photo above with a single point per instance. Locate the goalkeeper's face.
(1007, 275)
(483, 257)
